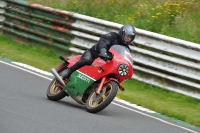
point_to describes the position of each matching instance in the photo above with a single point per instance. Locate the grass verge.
(167, 103)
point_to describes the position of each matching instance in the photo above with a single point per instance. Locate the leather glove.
(110, 56)
(103, 54)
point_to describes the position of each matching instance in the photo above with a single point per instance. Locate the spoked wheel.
(97, 102)
(54, 92)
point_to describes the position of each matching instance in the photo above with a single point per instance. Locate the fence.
(163, 61)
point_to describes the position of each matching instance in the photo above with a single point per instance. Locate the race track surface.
(24, 108)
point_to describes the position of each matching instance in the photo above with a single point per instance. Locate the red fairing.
(72, 61)
(101, 68)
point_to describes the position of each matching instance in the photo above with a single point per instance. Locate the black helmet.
(127, 34)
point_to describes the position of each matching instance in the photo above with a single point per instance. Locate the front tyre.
(54, 92)
(96, 103)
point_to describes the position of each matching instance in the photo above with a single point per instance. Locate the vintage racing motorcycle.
(94, 86)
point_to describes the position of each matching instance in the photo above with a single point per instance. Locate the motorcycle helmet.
(127, 34)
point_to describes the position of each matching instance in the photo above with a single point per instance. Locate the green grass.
(162, 101)
(176, 18)
(167, 103)
(33, 55)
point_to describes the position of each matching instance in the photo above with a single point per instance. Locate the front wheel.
(96, 103)
(54, 92)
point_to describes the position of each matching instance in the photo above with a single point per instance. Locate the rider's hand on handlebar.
(105, 55)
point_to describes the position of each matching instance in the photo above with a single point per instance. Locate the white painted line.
(33, 68)
(134, 105)
(154, 117)
(26, 70)
(112, 102)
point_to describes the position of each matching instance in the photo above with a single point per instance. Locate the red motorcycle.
(94, 86)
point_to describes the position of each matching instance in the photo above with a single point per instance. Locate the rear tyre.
(54, 92)
(96, 103)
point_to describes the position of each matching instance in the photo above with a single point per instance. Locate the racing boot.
(66, 73)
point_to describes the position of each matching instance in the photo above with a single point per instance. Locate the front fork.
(101, 85)
(103, 82)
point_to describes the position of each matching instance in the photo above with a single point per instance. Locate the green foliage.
(176, 18)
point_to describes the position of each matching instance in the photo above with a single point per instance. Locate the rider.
(125, 36)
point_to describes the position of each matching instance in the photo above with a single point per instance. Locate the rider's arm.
(104, 42)
(104, 45)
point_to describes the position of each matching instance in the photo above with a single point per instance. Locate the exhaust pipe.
(57, 76)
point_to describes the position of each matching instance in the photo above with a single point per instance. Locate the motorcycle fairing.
(77, 84)
(81, 79)
(109, 67)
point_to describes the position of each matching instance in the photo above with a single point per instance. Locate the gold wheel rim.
(95, 100)
(54, 88)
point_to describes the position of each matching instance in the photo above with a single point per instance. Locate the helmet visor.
(128, 38)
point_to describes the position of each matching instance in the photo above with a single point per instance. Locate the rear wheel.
(97, 102)
(54, 92)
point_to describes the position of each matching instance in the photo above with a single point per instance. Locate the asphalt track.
(24, 108)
